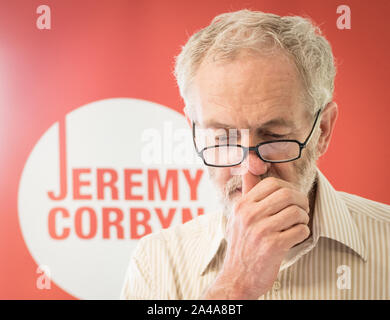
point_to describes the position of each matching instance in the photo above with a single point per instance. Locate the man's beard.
(305, 171)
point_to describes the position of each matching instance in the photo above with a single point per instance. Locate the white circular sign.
(98, 180)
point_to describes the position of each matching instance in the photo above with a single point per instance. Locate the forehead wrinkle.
(259, 102)
(248, 116)
(242, 78)
(252, 124)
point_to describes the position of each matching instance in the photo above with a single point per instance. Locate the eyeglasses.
(275, 151)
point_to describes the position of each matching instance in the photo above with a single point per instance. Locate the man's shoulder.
(363, 207)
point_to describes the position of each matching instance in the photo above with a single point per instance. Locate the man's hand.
(269, 219)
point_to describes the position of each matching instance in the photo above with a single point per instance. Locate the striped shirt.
(346, 256)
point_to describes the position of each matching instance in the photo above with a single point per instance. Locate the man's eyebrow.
(277, 122)
(271, 123)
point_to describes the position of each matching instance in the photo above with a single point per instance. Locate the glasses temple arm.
(312, 129)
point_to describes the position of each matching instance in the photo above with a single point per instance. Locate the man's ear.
(328, 121)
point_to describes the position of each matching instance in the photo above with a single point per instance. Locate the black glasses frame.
(302, 145)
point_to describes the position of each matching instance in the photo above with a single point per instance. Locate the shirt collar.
(332, 219)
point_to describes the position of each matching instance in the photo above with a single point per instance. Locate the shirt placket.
(281, 288)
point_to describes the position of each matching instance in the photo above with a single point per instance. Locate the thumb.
(249, 180)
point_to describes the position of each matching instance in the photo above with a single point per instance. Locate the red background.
(104, 49)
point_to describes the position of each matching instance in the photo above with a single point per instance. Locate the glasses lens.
(279, 151)
(224, 155)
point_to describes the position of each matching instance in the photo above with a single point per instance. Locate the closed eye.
(275, 136)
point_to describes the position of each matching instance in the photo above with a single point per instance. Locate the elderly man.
(285, 232)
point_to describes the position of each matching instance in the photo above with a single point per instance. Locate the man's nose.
(255, 165)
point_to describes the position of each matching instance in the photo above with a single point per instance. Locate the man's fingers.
(281, 199)
(266, 187)
(294, 235)
(249, 181)
(288, 217)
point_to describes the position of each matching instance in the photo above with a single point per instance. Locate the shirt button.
(276, 286)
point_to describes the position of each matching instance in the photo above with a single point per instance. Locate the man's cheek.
(284, 171)
(213, 177)
(211, 172)
(218, 175)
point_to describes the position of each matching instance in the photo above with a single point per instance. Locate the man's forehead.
(252, 93)
(247, 74)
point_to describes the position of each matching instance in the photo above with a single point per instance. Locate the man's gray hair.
(231, 32)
